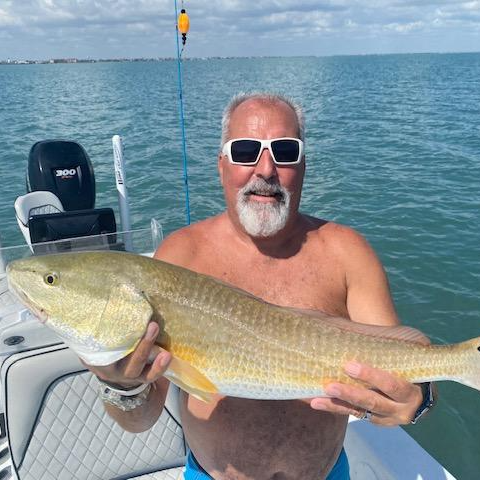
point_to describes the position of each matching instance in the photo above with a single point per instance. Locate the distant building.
(63, 60)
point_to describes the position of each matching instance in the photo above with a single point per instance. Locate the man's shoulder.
(181, 246)
(341, 241)
(334, 232)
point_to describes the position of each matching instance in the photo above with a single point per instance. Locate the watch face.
(427, 404)
(123, 402)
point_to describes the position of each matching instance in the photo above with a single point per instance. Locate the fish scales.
(276, 335)
(223, 336)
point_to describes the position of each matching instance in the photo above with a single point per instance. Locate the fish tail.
(470, 353)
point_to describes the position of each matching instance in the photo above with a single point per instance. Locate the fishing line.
(182, 24)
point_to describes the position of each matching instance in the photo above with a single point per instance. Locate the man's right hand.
(146, 364)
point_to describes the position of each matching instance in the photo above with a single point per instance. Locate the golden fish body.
(222, 339)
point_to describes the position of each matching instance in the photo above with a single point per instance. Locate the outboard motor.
(61, 199)
(63, 168)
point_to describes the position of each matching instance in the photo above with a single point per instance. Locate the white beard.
(263, 219)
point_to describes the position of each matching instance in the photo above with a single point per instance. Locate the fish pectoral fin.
(126, 303)
(189, 379)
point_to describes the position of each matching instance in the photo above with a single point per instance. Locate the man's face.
(265, 196)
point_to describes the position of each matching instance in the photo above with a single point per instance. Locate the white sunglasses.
(247, 151)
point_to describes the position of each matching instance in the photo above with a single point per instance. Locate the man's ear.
(220, 168)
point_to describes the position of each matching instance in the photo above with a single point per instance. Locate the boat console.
(60, 201)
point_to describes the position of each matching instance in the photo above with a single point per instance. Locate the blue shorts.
(193, 471)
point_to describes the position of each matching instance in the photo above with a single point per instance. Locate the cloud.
(6, 18)
(83, 13)
(146, 27)
(405, 27)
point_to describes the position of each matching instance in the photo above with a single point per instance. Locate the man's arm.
(391, 400)
(368, 293)
(134, 370)
(145, 416)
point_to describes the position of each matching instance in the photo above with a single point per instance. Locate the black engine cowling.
(63, 168)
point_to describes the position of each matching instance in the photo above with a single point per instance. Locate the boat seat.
(35, 203)
(47, 228)
(57, 428)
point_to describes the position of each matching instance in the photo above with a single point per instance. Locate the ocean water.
(393, 149)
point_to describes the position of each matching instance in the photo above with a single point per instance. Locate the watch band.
(125, 400)
(427, 403)
(126, 391)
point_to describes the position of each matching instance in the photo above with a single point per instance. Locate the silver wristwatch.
(125, 399)
(427, 403)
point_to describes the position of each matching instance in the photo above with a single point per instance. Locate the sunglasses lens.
(285, 151)
(245, 151)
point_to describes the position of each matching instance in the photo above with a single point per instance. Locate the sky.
(44, 29)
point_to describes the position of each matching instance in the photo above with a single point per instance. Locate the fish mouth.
(39, 312)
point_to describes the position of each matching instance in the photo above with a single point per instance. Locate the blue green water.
(393, 149)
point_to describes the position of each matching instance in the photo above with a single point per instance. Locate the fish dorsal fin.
(188, 378)
(397, 332)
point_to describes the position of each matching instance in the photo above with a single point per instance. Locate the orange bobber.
(183, 25)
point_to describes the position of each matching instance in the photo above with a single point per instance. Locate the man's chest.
(286, 282)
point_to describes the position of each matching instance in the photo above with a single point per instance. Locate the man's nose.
(266, 167)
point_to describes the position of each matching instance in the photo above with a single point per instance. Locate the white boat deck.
(388, 453)
(8, 301)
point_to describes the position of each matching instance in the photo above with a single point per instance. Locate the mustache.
(259, 186)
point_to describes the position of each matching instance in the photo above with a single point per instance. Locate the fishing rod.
(182, 24)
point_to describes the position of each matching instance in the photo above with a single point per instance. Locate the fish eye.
(51, 278)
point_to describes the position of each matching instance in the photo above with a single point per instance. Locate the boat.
(53, 426)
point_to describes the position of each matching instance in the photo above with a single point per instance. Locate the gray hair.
(263, 97)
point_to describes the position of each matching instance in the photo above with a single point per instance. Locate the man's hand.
(146, 364)
(391, 400)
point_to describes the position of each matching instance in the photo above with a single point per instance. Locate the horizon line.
(216, 57)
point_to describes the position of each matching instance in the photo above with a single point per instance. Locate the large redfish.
(223, 340)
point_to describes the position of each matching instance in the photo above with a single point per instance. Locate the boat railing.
(143, 241)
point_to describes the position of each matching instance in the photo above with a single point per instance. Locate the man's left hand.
(390, 400)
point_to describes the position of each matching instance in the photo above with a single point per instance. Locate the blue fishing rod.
(182, 24)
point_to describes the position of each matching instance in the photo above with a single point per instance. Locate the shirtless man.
(264, 245)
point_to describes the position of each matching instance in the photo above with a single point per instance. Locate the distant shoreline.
(53, 61)
(80, 60)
